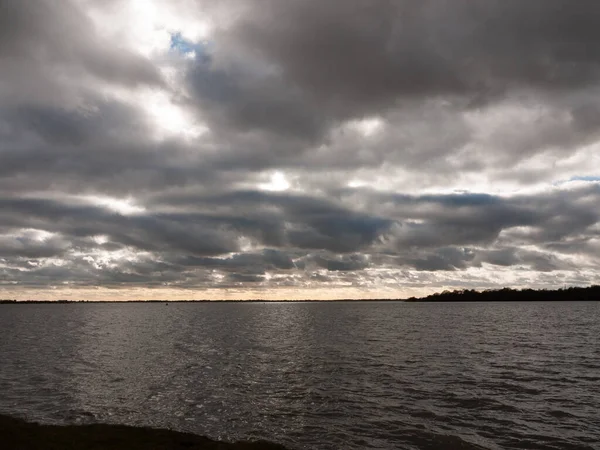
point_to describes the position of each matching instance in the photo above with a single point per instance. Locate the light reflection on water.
(314, 375)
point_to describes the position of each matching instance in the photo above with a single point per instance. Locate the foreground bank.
(18, 434)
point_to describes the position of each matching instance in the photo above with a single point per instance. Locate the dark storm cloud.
(368, 55)
(297, 220)
(184, 242)
(196, 234)
(301, 222)
(296, 69)
(248, 102)
(478, 219)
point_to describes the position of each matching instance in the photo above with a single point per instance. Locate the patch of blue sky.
(185, 47)
(586, 178)
(457, 199)
(590, 178)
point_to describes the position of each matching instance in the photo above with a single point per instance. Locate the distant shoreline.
(571, 294)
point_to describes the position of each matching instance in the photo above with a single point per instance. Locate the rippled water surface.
(314, 375)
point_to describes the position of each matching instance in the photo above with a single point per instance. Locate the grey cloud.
(342, 263)
(107, 150)
(311, 224)
(244, 278)
(108, 123)
(258, 263)
(366, 55)
(536, 260)
(42, 42)
(501, 257)
(235, 100)
(296, 220)
(309, 65)
(457, 259)
(544, 262)
(439, 220)
(194, 235)
(82, 272)
(27, 246)
(447, 258)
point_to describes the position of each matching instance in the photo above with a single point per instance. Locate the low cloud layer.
(300, 148)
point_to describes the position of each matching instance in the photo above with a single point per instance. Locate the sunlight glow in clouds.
(100, 239)
(170, 119)
(146, 26)
(124, 207)
(368, 126)
(277, 183)
(40, 235)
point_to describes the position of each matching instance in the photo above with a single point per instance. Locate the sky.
(297, 149)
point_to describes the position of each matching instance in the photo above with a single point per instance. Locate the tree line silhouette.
(590, 293)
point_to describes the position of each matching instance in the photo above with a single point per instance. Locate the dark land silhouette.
(591, 293)
(18, 434)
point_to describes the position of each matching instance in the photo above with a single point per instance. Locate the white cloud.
(124, 206)
(278, 182)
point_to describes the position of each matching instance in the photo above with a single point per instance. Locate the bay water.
(314, 375)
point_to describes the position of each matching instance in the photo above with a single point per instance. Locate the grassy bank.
(17, 434)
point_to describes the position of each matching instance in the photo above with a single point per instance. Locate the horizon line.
(469, 293)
